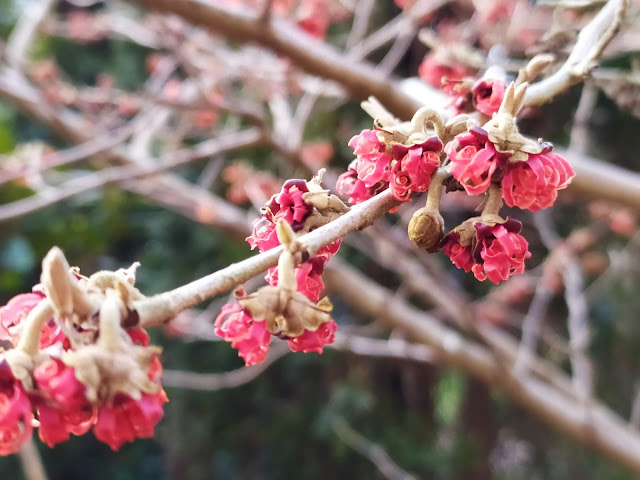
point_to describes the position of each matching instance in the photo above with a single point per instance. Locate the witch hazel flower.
(61, 403)
(488, 246)
(474, 160)
(126, 417)
(437, 67)
(534, 184)
(487, 95)
(529, 172)
(13, 314)
(249, 337)
(15, 412)
(102, 375)
(403, 157)
(303, 206)
(288, 308)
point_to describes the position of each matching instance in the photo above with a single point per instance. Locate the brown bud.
(426, 229)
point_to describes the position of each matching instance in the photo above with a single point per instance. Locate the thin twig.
(210, 382)
(374, 452)
(113, 175)
(592, 41)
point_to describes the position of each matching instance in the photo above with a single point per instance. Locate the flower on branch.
(402, 158)
(15, 412)
(488, 95)
(488, 246)
(73, 362)
(529, 172)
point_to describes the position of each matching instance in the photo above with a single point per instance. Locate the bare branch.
(210, 382)
(126, 173)
(25, 31)
(161, 308)
(591, 42)
(375, 453)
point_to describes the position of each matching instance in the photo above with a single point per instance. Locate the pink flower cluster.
(531, 184)
(402, 169)
(487, 95)
(59, 399)
(250, 337)
(434, 71)
(496, 252)
(312, 16)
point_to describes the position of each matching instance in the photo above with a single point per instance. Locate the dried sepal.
(106, 373)
(503, 132)
(286, 313)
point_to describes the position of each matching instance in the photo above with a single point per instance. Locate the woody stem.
(494, 201)
(435, 190)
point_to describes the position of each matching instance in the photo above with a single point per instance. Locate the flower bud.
(426, 229)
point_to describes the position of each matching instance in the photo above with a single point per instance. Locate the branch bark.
(593, 177)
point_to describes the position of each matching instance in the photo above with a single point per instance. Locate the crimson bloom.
(501, 249)
(248, 336)
(314, 341)
(414, 171)
(15, 412)
(534, 184)
(474, 160)
(493, 250)
(433, 71)
(63, 407)
(124, 418)
(351, 186)
(13, 314)
(488, 95)
(127, 419)
(308, 277)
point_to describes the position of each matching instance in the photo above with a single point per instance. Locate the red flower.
(488, 95)
(289, 205)
(367, 144)
(314, 341)
(127, 419)
(534, 184)
(459, 255)
(351, 186)
(496, 251)
(433, 71)
(474, 160)
(308, 278)
(264, 235)
(249, 337)
(63, 407)
(373, 170)
(501, 251)
(15, 412)
(314, 19)
(16, 311)
(413, 173)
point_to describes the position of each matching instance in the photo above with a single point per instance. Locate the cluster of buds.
(78, 361)
(290, 306)
(494, 160)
